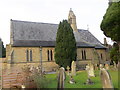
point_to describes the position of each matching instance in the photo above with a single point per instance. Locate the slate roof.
(44, 34)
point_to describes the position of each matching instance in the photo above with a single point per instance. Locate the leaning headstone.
(61, 78)
(106, 66)
(68, 70)
(106, 79)
(73, 67)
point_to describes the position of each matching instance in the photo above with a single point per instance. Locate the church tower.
(72, 20)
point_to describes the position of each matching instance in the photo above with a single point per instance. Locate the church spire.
(72, 20)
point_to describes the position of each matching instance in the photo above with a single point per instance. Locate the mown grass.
(81, 78)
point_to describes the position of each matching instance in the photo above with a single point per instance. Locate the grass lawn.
(81, 78)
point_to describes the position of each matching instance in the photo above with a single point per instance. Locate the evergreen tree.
(114, 53)
(111, 22)
(2, 50)
(65, 49)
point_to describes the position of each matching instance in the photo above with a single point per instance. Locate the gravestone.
(101, 66)
(61, 78)
(73, 67)
(68, 70)
(89, 73)
(96, 67)
(90, 70)
(106, 79)
(106, 66)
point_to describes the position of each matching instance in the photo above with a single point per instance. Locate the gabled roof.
(44, 34)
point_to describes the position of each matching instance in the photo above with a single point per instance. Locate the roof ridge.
(32, 22)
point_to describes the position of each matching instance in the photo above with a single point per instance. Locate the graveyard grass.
(81, 78)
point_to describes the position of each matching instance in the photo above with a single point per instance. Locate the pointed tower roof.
(72, 20)
(71, 13)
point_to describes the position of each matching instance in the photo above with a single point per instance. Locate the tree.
(2, 50)
(114, 53)
(65, 49)
(110, 24)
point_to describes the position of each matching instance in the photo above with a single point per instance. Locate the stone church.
(34, 42)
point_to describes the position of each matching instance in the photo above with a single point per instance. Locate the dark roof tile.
(35, 34)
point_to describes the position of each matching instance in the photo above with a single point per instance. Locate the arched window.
(101, 56)
(51, 55)
(30, 55)
(48, 55)
(27, 55)
(83, 55)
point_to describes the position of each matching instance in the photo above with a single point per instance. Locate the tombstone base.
(89, 82)
(72, 81)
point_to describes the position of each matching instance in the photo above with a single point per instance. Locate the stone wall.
(102, 54)
(19, 55)
(88, 51)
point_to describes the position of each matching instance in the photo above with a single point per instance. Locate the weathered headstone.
(96, 67)
(73, 67)
(68, 70)
(106, 66)
(106, 79)
(61, 78)
(101, 66)
(89, 73)
(90, 70)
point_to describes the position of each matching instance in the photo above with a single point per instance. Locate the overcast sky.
(88, 12)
